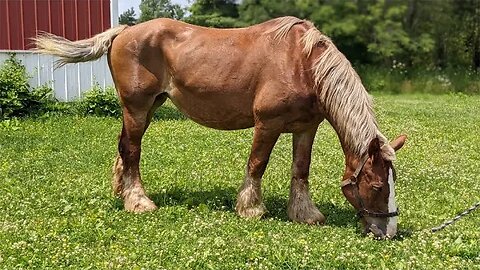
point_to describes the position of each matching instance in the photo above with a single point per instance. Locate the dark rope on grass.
(455, 219)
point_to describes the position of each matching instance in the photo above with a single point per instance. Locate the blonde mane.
(340, 90)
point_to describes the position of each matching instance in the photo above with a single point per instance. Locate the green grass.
(57, 208)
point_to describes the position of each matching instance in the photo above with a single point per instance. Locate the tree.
(151, 9)
(454, 27)
(466, 15)
(346, 23)
(226, 8)
(127, 17)
(215, 13)
(416, 33)
(374, 32)
(256, 11)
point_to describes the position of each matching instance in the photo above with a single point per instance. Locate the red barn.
(73, 19)
(21, 20)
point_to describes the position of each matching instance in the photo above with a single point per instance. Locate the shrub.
(16, 99)
(419, 80)
(100, 102)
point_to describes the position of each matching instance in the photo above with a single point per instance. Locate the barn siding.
(68, 82)
(21, 20)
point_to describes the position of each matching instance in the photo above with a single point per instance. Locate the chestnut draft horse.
(280, 76)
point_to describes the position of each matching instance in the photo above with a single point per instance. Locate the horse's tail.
(76, 51)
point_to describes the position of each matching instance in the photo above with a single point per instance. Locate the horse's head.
(369, 185)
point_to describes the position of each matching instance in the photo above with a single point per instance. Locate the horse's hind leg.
(127, 184)
(249, 199)
(300, 205)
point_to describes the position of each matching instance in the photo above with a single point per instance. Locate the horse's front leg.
(300, 205)
(249, 199)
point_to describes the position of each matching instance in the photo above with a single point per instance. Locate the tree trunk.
(476, 51)
(476, 40)
(411, 14)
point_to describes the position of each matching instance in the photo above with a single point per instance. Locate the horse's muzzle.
(380, 228)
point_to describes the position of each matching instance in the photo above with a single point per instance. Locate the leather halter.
(352, 180)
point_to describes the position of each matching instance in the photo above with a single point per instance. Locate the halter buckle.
(349, 181)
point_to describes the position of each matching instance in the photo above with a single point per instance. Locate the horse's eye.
(377, 186)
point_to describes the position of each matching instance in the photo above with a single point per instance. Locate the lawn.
(57, 208)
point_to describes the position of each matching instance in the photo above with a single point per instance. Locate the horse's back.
(215, 76)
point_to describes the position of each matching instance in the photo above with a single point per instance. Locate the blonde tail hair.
(76, 51)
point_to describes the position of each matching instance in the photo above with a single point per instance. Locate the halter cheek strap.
(352, 180)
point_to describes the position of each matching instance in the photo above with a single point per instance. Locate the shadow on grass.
(223, 199)
(335, 216)
(168, 113)
(215, 199)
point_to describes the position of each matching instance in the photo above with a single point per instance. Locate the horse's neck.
(345, 101)
(356, 127)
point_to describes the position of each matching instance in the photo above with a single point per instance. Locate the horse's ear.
(398, 142)
(374, 147)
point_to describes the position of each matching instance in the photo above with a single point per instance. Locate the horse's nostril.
(376, 231)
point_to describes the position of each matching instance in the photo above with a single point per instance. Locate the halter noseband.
(363, 212)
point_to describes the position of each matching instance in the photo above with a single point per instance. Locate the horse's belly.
(215, 109)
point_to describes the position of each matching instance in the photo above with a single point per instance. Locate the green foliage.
(214, 20)
(399, 79)
(57, 208)
(16, 97)
(226, 8)
(344, 23)
(214, 13)
(168, 112)
(388, 40)
(127, 17)
(254, 11)
(151, 9)
(100, 102)
(415, 32)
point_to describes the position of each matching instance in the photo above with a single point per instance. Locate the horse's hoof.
(315, 219)
(140, 204)
(251, 212)
(249, 202)
(311, 216)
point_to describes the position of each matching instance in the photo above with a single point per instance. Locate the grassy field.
(57, 208)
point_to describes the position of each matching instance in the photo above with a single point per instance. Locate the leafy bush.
(16, 99)
(100, 102)
(433, 81)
